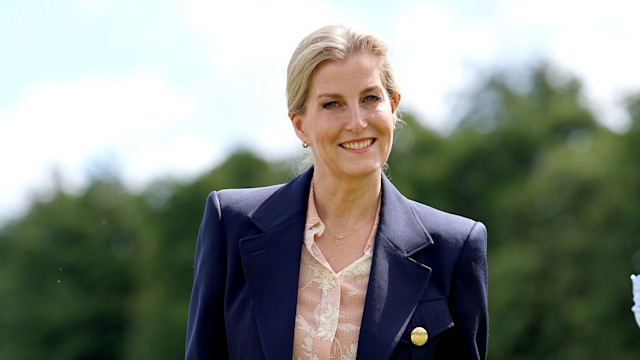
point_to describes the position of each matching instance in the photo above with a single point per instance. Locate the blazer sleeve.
(206, 337)
(468, 339)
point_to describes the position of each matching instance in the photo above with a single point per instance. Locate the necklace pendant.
(338, 240)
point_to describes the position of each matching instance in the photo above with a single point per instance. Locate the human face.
(348, 118)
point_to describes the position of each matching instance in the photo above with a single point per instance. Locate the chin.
(364, 171)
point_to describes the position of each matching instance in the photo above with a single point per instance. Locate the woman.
(336, 263)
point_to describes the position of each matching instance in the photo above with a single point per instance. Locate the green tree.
(65, 270)
(555, 187)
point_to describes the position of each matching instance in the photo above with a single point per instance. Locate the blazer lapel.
(396, 282)
(271, 261)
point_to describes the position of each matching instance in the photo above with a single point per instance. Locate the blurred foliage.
(106, 274)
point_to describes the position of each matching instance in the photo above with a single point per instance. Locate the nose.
(356, 120)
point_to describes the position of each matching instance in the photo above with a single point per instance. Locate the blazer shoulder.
(442, 224)
(242, 200)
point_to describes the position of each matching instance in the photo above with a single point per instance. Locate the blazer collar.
(399, 223)
(271, 262)
(289, 201)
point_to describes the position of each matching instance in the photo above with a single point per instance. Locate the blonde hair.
(332, 43)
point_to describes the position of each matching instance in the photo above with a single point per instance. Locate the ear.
(298, 126)
(395, 102)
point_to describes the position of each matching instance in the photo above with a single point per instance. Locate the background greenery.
(106, 274)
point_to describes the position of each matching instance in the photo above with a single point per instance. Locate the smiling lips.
(357, 145)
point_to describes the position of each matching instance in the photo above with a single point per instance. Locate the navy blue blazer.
(429, 269)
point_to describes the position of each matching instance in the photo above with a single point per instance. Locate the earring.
(305, 145)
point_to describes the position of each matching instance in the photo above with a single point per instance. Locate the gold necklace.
(338, 238)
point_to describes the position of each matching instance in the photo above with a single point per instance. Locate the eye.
(330, 105)
(372, 98)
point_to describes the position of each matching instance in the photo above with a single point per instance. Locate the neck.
(341, 202)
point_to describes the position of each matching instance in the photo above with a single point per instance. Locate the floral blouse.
(330, 305)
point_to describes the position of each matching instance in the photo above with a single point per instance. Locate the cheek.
(383, 110)
(325, 128)
(383, 107)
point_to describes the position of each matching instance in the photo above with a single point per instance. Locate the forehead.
(355, 73)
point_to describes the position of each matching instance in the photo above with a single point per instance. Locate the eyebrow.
(336, 95)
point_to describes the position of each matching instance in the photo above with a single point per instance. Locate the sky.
(168, 89)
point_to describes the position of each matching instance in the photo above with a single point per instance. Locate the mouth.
(357, 145)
